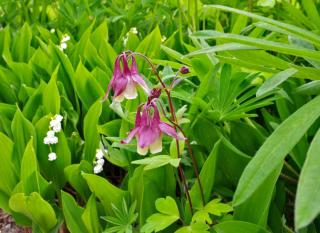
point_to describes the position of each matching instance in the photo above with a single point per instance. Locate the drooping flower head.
(125, 79)
(149, 129)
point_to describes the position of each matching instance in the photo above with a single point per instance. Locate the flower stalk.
(176, 125)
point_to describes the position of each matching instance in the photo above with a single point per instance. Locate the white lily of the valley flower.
(97, 169)
(55, 123)
(52, 156)
(63, 46)
(100, 162)
(50, 140)
(134, 30)
(53, 30)
(99, 154)
(57, 128)
(65, 38)
(59, 118)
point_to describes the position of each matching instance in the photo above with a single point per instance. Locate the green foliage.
(168, 214)
(248, 106)
(123, 220)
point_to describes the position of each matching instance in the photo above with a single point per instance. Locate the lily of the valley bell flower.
(125, 80)
(149, 129)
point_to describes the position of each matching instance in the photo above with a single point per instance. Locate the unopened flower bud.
(184, 70)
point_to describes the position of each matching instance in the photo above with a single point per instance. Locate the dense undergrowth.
(236, 89)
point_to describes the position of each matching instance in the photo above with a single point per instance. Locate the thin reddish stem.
(175, 123)
(154, 70)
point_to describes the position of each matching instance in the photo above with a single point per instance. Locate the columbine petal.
(116, 74)
(130, 136)
(169, 130)
(156, 147)
(147, 135)
(142, 151)
(119, 98)
(137, 78)
(131, 90)
(119, 85)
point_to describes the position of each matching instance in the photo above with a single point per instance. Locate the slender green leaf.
(273, 151)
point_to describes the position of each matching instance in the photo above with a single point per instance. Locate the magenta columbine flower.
(149, 129)
(125, 80)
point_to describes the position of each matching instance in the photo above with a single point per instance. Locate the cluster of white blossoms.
(98, 164)
(51, 138)
(63, 42)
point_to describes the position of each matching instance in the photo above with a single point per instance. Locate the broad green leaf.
(217, 208)
(21, 45)
(51, 96)
(273, 151)
(85, 83)
(35, 208)
(194, 228)
(91, 134)
(150, 46)
(72, 214)
(271, 83)
(147, 186)
(22, 131)
(239, 227)
(52, 170)
(169, 213)
(256, 208)
(308, 187)
(207, 176)
(201, 216)
(29, 163)
(9, 177)
(73, 175)
(66, 73)
(158, 222)
(34, 102)
(157, 161)
(90, 216)
(106, 192)
(167, 206)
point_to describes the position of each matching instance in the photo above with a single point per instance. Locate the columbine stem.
(175, 123)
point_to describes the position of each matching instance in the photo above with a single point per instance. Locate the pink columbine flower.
(125, 80)
(149, 129)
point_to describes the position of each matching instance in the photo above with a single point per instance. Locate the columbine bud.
(154, 94)
(52, 156)
(184, 70)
